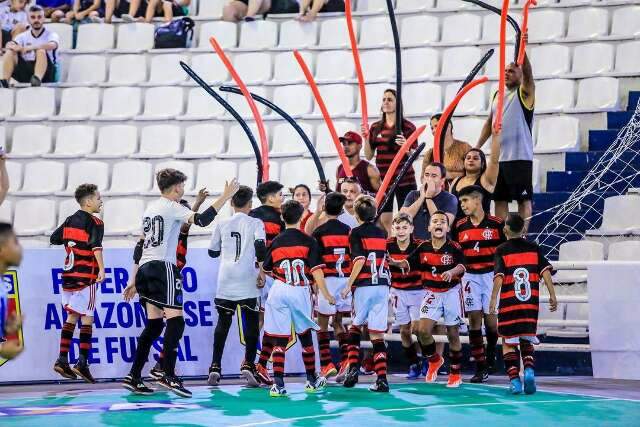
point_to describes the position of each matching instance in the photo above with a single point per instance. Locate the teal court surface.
(414, 403)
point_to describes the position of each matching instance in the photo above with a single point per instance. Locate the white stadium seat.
(621, 215)
(123, 217)
(378, 65)
(461, 28)
(130, 177)
(324, 143)
(88, 171)
(626, 58)
(212, 175)
(240, 104)
(557, 134)
(158, 141)
(413, 5)
(419, 64)
(287, 70)
(34, 217)
(298, 35)
(597, 94)
(338, 98)
(6, 103)
(467, 129)
(419, 30)
(625, 23)
(202, 141)
(287, 142)
(6, 212)
(127, 70)
(162, 103)
(119, 103)
(374, 94)
(592, 59)
(239, 146)
(422, 99)
(624, 251)
(258, 35)
(578, 251)
(295, 100)
(226, 33)
(254, 67)
(588, 23)
(248, 172)
(546, 25)
(377, 6)
(491, 30)
(95, 37)
(65, 34)
(491, 68)
(121, 243)
(87, 70)
(210, 68)
(210, 9)
(334, 66)
(474, 102)
(31, 141)
(450, 5)
(166, 70)
(78, 103)
(554, 95)
(334, 33)
(457, 61)
(116, 142)
(43, 177)
(551, 60)
(34, 104)
(301, 171)
(135, 37)
(73, 141)
(183, 166)
(201, 106)
(375, 32)
(14, 170)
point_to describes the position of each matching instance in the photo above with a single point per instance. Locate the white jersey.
(9, 19)
(348, 219)
(234, 238)
(29, 39)
(161, 224)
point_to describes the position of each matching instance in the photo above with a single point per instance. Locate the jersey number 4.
(153, 231)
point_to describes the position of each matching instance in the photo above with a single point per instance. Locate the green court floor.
(407, 404)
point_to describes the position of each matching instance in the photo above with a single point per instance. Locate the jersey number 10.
(294, 271)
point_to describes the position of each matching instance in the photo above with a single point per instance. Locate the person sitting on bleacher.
(309, 9)
(13, 20)
(167, 9)
(237, 10)
(55, 10)
(128, 10)
(83, 10)
(31, 56)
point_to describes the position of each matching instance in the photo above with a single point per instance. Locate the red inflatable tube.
(325, 113)
(437, 155)
(525, 24)
(497, 119)
(356, 61)
(264, 145)
(396, 162)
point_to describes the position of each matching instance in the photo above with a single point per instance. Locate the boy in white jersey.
(158, 280)
(238, 241)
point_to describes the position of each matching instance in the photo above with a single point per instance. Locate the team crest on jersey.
(487, 234)
(10, 280)
(446, 259)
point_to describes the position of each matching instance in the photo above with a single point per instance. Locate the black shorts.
(6, 36)
(230, 306)
(160, 283)
(515, 181)
(333, 6)
(400, 195)
(123, 9)
(24, 71)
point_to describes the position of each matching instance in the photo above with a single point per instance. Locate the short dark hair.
(471, 190)
(440, 213)
(292, 212)
(85, 190)
(36, 8)
(267, 188)
(334, 203)
(443, 169)
(438, 116)
(6, 231)
(515, 223)
(242, 197)
(365, 207)
(402, 217)
(166, 178)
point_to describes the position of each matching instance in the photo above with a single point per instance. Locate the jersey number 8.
(521, 285)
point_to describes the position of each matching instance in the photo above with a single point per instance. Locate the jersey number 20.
(153, 230)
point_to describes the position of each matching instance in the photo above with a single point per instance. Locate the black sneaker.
(62, 367)
(35, 81)
(481, 376)
(380, 386)
(351, 379)
(136, 386)
(248, 371)
(175, 385)
(214, 375)
(81, 369)
(156, 372)
(5, 84)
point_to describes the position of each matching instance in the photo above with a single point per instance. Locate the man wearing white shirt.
(351, 189)
(32, 56)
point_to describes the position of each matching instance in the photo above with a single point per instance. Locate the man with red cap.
(366, 173)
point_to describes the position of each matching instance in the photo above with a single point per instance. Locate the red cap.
(351, 137)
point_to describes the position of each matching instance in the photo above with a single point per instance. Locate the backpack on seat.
(176, 34)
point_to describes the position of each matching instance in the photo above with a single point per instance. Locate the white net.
(613, 174)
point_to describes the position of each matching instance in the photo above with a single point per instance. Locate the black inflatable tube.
(234, 113)
(396, 44)
(512, 21)
(292, 122)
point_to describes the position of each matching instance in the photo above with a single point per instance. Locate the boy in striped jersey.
(10, 255)
(519, 266)
(479, 235)
(407, 292)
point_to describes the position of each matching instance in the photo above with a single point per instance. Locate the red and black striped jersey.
(272, 220)
(181, 250)
(333, 242)
(81, 234)
(479, 242)
(435, 261)
(292, 258)
(408, 280)
(368, 242)
(382, 139)
(520, 263)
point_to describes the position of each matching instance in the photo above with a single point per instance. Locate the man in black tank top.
(366, 173)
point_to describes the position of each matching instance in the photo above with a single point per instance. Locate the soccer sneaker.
(175, 385)
(454, 381)
(432, 372)
(344, 368)
(351, 379)
(263, 375)
(277, 391)
(156, 372)
(481, 376)
(414, 372)
(136, 386)
(62, 367)
(380, 386)
(367, 366)
(214, 375)
(515, 386)
(81, 369)
(529, 381)
(316, 386)
(425, 367)
(248, 372)
(329, 371)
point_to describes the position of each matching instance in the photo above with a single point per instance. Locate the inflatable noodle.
(525, 26)
(356, 61)
(497, 119)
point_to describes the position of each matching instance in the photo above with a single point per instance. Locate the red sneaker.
(263, 375)
(328, 371)
(344, 368)
(454, 381)
(432, 373)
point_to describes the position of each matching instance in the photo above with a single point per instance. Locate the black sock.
(251, 334)
(411, 354)
(492, 341)
(149, 334)
(220, 335)
(85, 341)
(172, 335)
(66, 336)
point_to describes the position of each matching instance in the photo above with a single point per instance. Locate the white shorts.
(447, 305)
(516, 340)
(264, 292)
(406, 305)
(335, 285)
(477, 291)
(371, 307)
(286, 305)
(81, 302)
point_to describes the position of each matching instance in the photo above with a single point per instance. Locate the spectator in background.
(309, 9)
(85, 9)
(128, 10)
(302, 194)
(167, 9)
(31, 57)
(56, 10)
(13, 20)
(454, 151)
(367, 174)
(237, 10)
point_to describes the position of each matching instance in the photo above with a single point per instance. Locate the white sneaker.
(128, 18)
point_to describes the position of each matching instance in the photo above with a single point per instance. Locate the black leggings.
(249, 310)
